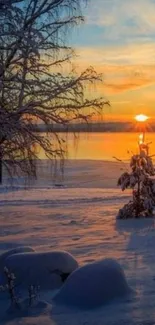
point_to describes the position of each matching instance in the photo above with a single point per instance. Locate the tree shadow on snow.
(134, 225)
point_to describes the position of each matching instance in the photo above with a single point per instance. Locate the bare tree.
(37, 82)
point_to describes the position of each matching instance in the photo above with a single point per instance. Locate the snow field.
(81, 221)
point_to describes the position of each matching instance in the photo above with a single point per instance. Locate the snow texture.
(16, 250)
(44, 269)
(83, 222)
(93, 285)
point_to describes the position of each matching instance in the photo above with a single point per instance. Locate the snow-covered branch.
(141, 182)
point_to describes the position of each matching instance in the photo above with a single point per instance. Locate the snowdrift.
(22, 249)
(93, 285)
(45, 269)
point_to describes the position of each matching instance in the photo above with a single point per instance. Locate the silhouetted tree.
(37, 82)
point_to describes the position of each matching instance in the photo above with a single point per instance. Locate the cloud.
(119, 41)
(119, 55)
(126, 85)
(124, 68)
(130, 19)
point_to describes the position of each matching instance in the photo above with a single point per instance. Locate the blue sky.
(118, 39)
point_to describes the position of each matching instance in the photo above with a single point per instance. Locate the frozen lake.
(104, 146)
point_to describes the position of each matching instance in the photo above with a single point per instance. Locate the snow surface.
(40, 269)
(82, 221)
(93, 285)
(77, 173)
(10, 252)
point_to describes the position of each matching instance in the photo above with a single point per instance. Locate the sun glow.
(141, 138)
(141, 118)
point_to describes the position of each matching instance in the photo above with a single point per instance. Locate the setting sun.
(141, 118)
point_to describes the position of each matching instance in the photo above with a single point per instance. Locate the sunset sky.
(118, 39)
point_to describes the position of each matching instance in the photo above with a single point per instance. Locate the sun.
(141, 118)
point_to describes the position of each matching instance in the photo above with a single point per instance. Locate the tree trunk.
(1, 174)
(138, 200)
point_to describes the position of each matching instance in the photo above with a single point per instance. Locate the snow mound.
(93, 285)
(45, 269)
(22, 249)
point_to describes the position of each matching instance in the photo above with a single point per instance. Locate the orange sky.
(118, 40)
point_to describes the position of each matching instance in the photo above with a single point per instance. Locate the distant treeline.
(93, 127)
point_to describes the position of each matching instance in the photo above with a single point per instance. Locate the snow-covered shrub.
(141, 181)
(93, 285)
(9, 286)
(33, 294)
(23, 305)
(44, 269)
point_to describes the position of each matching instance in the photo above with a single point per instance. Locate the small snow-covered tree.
(37, 81)
(10, 288)
(33, 294)
(141, 182)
